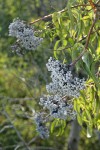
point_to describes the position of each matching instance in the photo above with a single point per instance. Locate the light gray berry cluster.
(58, 107)
(41, 128)
(63, 82)
(24, 34)
(63, 88)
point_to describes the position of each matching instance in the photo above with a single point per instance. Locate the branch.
(74, 136)
(86, 45)
(33, 140)
(17, 99)
(61, 11)
(5, 127)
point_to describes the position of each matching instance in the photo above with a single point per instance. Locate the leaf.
(55, 20)
(75, 104)
(57, 44)
(87, 59)
(70, 15)
(88, 115)
(54, 123)
(92, 75)
(64, 42)
(55, 48)
(59, 17)
(79, 119)
(71, 41)
(61, 127)
(89, 131)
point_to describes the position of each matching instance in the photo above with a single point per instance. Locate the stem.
(86, 45)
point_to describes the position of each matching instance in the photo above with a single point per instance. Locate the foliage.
(71, 35)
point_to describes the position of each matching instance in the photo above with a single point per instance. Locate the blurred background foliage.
(23, 79)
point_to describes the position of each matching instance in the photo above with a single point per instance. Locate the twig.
(86, 45)
(5, 127)
(32, 140)
(17, 147)
(8, 147)
(17, 132)
(44, 148)
(16, 99)
(61, 11)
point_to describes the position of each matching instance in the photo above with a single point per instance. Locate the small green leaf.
(89, 131)
(79, 119)
(54, 123)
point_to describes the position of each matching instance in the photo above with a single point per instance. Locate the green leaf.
(79, 119)
(57, 44)
(55, 48)
(70, 15)
(75, 104)
(54, 123)
(89, 131)
(92, 75)
(64, 42)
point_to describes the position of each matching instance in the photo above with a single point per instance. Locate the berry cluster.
(24, 34)
(41, 128)
(63, 82)
(62, 90)
(58, 107)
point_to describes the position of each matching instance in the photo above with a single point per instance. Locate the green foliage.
(70, 34)
(87, 107)
(58, 126)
